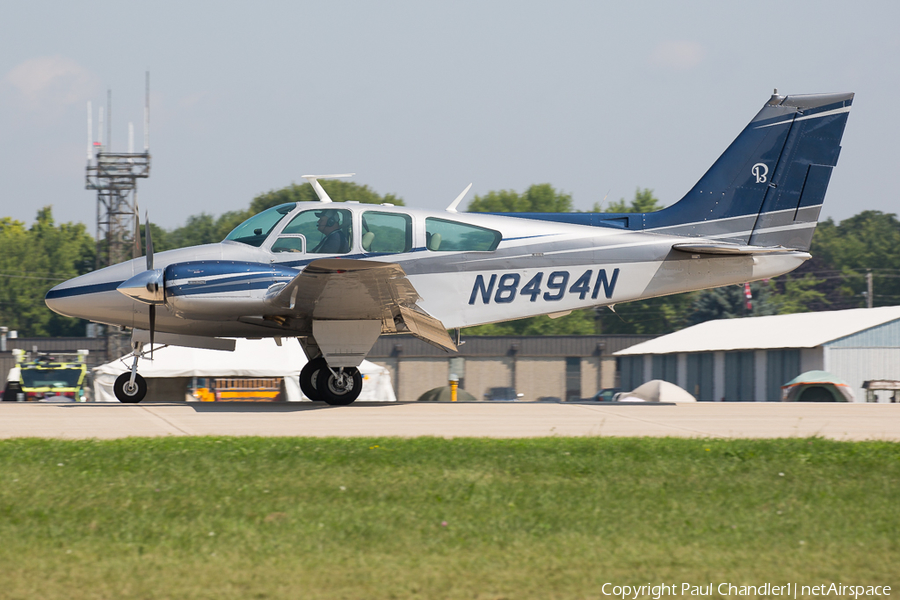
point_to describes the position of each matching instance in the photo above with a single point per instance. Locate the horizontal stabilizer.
(720, 248)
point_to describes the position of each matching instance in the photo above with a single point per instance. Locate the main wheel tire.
(341, 390)
(130, 394)
(308, 376)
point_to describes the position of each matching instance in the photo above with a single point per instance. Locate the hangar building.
(750, 359)
(565, 366)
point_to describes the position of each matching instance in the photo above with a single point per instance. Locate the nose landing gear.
(128, 392)
(130, 387)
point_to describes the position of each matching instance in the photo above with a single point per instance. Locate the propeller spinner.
(148, 286)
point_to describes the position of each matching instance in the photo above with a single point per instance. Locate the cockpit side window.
(257, 228)
(384, 232)
(327, 230)
(450, 236)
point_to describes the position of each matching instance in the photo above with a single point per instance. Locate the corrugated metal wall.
(856, 365)
(882, 336)
(740, 376)
(477, 345)
(665, 367)
(631, 369)
(870, 354)
(700, 374)
(781, 367)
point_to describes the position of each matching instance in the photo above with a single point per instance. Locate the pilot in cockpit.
(335, 240)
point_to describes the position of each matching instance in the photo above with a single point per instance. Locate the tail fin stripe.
(827, 113)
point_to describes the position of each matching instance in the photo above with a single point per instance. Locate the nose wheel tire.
(127, 392)
(339, 387)
(308, 376)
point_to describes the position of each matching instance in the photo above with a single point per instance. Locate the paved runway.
(479, 419)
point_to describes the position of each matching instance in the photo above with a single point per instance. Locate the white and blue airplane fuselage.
(338, 275)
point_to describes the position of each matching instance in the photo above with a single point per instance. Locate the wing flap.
(427, 328)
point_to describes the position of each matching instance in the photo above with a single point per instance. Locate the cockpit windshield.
(257, 228)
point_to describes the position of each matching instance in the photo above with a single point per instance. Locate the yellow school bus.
(242, 389)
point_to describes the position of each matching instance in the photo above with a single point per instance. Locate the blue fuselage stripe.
(83, 290)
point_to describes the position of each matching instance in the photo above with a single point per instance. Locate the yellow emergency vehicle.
(46, 377)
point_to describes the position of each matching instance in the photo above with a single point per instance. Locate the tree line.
(34, 259)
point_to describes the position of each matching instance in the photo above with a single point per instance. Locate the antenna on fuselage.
(320, 191)
(455, 203)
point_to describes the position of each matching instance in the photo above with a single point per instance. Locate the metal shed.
(750, 359)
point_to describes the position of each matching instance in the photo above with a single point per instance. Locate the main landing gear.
(130, 387)
(338, 386)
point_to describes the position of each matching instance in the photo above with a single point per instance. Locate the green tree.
(579, 322)
(729, 302)
(643, 202)
(540, 197)
(869, 240)
(337, 189)
(201, 229)
(34, 260)
(645, 317)
(796, 294)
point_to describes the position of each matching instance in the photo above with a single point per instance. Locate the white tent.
(657, 390)
(251, 358)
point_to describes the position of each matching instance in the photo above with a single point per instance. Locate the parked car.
(502, 394)
(606, 395)
(549, 399)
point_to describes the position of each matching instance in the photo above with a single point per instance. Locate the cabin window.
(257, 228)
(386, 233)
(288, 243)
(449, 236)
(327, 230)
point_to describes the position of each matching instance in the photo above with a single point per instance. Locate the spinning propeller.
(147, 286)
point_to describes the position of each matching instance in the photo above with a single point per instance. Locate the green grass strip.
(432, 518)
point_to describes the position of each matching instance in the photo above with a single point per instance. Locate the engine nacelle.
(210, 290)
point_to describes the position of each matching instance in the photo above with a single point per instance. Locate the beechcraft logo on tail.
(760, 170)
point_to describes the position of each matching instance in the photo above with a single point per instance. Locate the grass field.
(433, 518)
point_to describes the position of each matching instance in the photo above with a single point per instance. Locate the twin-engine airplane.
(337, 276)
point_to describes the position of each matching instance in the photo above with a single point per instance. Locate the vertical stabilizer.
(767, 188)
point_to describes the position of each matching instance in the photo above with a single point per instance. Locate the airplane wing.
(349, 289)
(720, 248)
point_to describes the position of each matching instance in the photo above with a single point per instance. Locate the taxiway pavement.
(477, 419)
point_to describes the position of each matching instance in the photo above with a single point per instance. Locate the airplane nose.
(58, 300)
(93, 296)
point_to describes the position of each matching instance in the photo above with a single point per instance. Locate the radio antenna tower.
(114, 175)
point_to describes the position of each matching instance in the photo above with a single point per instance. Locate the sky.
(421, 98)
